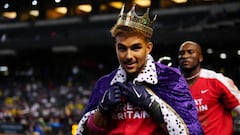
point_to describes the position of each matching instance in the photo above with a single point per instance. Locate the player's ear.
(149, 46)
(200, 58)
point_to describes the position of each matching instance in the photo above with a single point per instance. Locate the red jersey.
(215, 96)
(131, 120)
(128, 119)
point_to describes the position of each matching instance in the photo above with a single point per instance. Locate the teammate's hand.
(111, 98)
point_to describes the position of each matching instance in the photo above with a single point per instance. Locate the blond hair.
(119, 30)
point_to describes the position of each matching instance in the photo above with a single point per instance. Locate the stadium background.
(50, 61)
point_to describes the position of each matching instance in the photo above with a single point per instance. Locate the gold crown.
(131, 19)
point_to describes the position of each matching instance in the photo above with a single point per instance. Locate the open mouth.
(130, 65)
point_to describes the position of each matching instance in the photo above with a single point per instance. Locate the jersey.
(215, 96)
(172, 94)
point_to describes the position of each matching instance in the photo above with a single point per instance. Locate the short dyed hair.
(119, 30)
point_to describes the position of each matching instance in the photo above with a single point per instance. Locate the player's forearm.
(100, 120)
(156, 113)
(97, 124)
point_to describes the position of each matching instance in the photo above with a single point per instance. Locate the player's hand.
(111, 98)
(136, 94)
(139, 96)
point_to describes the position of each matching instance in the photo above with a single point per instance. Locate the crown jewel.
(131, 19)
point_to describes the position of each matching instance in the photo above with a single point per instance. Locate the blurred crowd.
(43, 107)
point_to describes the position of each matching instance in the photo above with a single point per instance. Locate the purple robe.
(171, 87)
